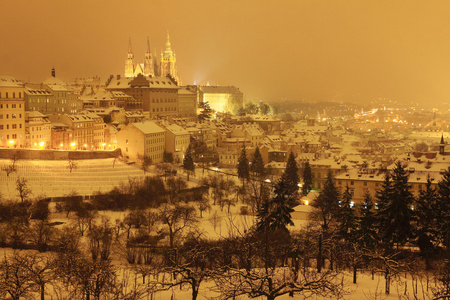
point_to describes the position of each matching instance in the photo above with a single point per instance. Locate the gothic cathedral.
(150, 67)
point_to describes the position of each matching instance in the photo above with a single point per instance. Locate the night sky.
(313, 50)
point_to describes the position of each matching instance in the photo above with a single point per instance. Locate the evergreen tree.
(443, 204)
(397, 212)
(243, 168)
(205, 111)
(346, 217)
(366, 233)
(328, 201)
(188, 161)
(383, 197)
(290, 175)
(275, 213)
(426, 215)
(307, 179)
(257, 166)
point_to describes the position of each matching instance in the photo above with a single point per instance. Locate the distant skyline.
(297, 50)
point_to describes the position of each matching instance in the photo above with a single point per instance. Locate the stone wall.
(56, 154)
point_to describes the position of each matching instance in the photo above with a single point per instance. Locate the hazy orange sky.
(313, 50)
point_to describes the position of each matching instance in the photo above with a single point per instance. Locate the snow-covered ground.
(53, 178)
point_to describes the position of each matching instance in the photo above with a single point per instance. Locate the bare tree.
(174, 186)
(39, 269)
(72, 165)
(14, 277)
(193, 264)
(12, 166)
(22, 188)
(178, 218)
(145, 161)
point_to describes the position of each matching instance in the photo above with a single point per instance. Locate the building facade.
(12, 112)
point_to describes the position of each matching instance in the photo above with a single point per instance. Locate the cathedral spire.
(168, 47)
(129, 62)
(130, 49)
(148, 61)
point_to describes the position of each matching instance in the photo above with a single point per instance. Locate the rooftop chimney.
(53, 72)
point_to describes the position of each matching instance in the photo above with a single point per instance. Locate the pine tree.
(383, 197)
(243, 168)
(307, 179)
(367, 234)
(257, 166)
(426, 215)
(188, 161)
(275, 214)
(290, 175)
(328, 201)
(346, 217)
(443, 204)
(398, 213)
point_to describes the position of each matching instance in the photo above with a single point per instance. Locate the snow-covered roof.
(148, 127)
(176, 129)
(10, 81)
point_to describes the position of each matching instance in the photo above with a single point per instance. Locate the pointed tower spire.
(168, 47)
(130, 49)
(129, 63)
(148, 61)
(442, 145)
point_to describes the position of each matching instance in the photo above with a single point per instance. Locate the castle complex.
(150, 67)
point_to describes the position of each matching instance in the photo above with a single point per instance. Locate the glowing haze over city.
(313, 50)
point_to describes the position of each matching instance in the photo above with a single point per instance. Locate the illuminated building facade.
(38, 98)
(12, 112)
(157, 96)
(83, 127)
(187, 104)
(221, 98)
(65, 100)
(38, 130)
(177, 141)
(138, 139)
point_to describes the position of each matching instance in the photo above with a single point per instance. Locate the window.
(352, 182)
(14, 126)
(365, 183)
(1, 127)
(14, 116)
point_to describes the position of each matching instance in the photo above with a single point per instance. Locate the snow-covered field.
(53, 178)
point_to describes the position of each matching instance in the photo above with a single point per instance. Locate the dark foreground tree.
(327, 202)
(243, 168)
(257, 166)
(307, 179)
(398, 212)
(427, 222)
(188, 161)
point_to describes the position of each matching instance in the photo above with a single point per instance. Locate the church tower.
(168, 60)
(442, 145)
(148, 61)
(129, 63)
